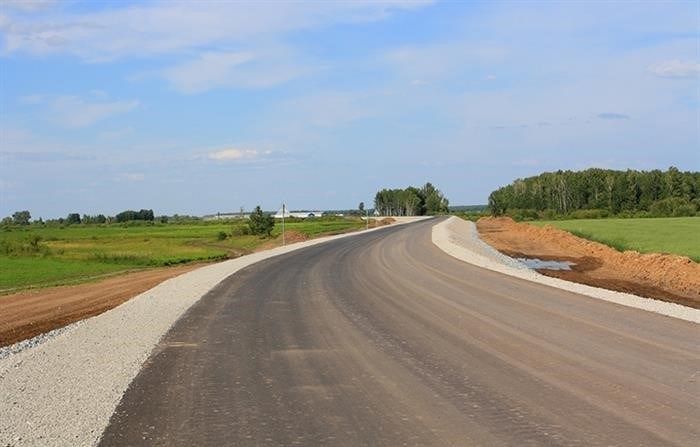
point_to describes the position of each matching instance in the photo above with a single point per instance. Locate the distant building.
(297, 214)
(225, 216)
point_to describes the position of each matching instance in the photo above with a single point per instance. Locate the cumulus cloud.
(612, 116)
(73, 111)
(676, 69)
(233, 155)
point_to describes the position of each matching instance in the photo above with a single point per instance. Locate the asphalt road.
(382, 339)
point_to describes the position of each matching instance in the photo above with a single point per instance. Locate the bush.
(31, 245)
(684, 210)
(240, 230)
(221, 236)
(672, 206)
(590, 214)
(523, 214)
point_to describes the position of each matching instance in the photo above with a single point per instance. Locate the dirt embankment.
(666, 277)
(30, 313)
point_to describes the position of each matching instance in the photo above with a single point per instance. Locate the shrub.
(684, 210)
(240, 230)
(31, 245)
(672, 206)
(590, 214)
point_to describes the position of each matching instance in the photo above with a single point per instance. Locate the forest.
(411, 201)
(595, 193)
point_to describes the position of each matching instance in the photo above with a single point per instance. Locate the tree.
(21, 217)
(411, 201)
(73, 218)
(260, 223)
(435, 201)
(128, 215)
(361, 207)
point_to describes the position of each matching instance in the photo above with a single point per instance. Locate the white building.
(225, 216)
(297, 214)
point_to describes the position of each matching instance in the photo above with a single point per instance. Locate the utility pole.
(366, 219)
(284, 242)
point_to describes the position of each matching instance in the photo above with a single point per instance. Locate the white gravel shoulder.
(460, 239)
(61, 388)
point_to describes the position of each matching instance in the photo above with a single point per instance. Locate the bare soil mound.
(666, 277)
(386, 221)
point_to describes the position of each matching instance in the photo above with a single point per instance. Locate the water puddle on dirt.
(537, 264)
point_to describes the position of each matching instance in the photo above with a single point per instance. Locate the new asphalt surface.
(383, 339)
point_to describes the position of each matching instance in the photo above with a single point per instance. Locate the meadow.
(676, 235)
(40, 256)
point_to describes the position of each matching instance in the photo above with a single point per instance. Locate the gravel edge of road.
(62, 387)
(460, 239)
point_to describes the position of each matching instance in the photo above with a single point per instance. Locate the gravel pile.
(460, 239)
(62, 387)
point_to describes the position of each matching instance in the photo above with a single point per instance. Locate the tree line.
(596, 193)
(24, 218)
(411, 201)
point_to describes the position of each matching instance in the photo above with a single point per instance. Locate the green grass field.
(45, 256)
(677, 235)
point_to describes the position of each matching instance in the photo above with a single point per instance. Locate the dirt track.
(27, 314)
(669, 278)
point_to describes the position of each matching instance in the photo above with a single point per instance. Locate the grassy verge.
(676, 235)
(38, 256)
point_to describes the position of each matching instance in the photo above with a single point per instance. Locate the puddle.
(537, 264)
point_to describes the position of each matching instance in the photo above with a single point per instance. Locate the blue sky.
(201, 107)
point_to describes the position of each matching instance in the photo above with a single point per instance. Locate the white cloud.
(233, 155)
(333, 108)
(676, 69)
(206, 71)
(432, 62)
(116, 134)
(30, 5)
(212, 70)
(214, 45)
(73, 111)
(132, 177)
(30, 99)
(164, 27)
(612, 116)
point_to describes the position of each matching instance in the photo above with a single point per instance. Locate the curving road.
(382, 339)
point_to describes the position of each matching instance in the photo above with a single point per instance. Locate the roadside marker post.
(283, 240)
